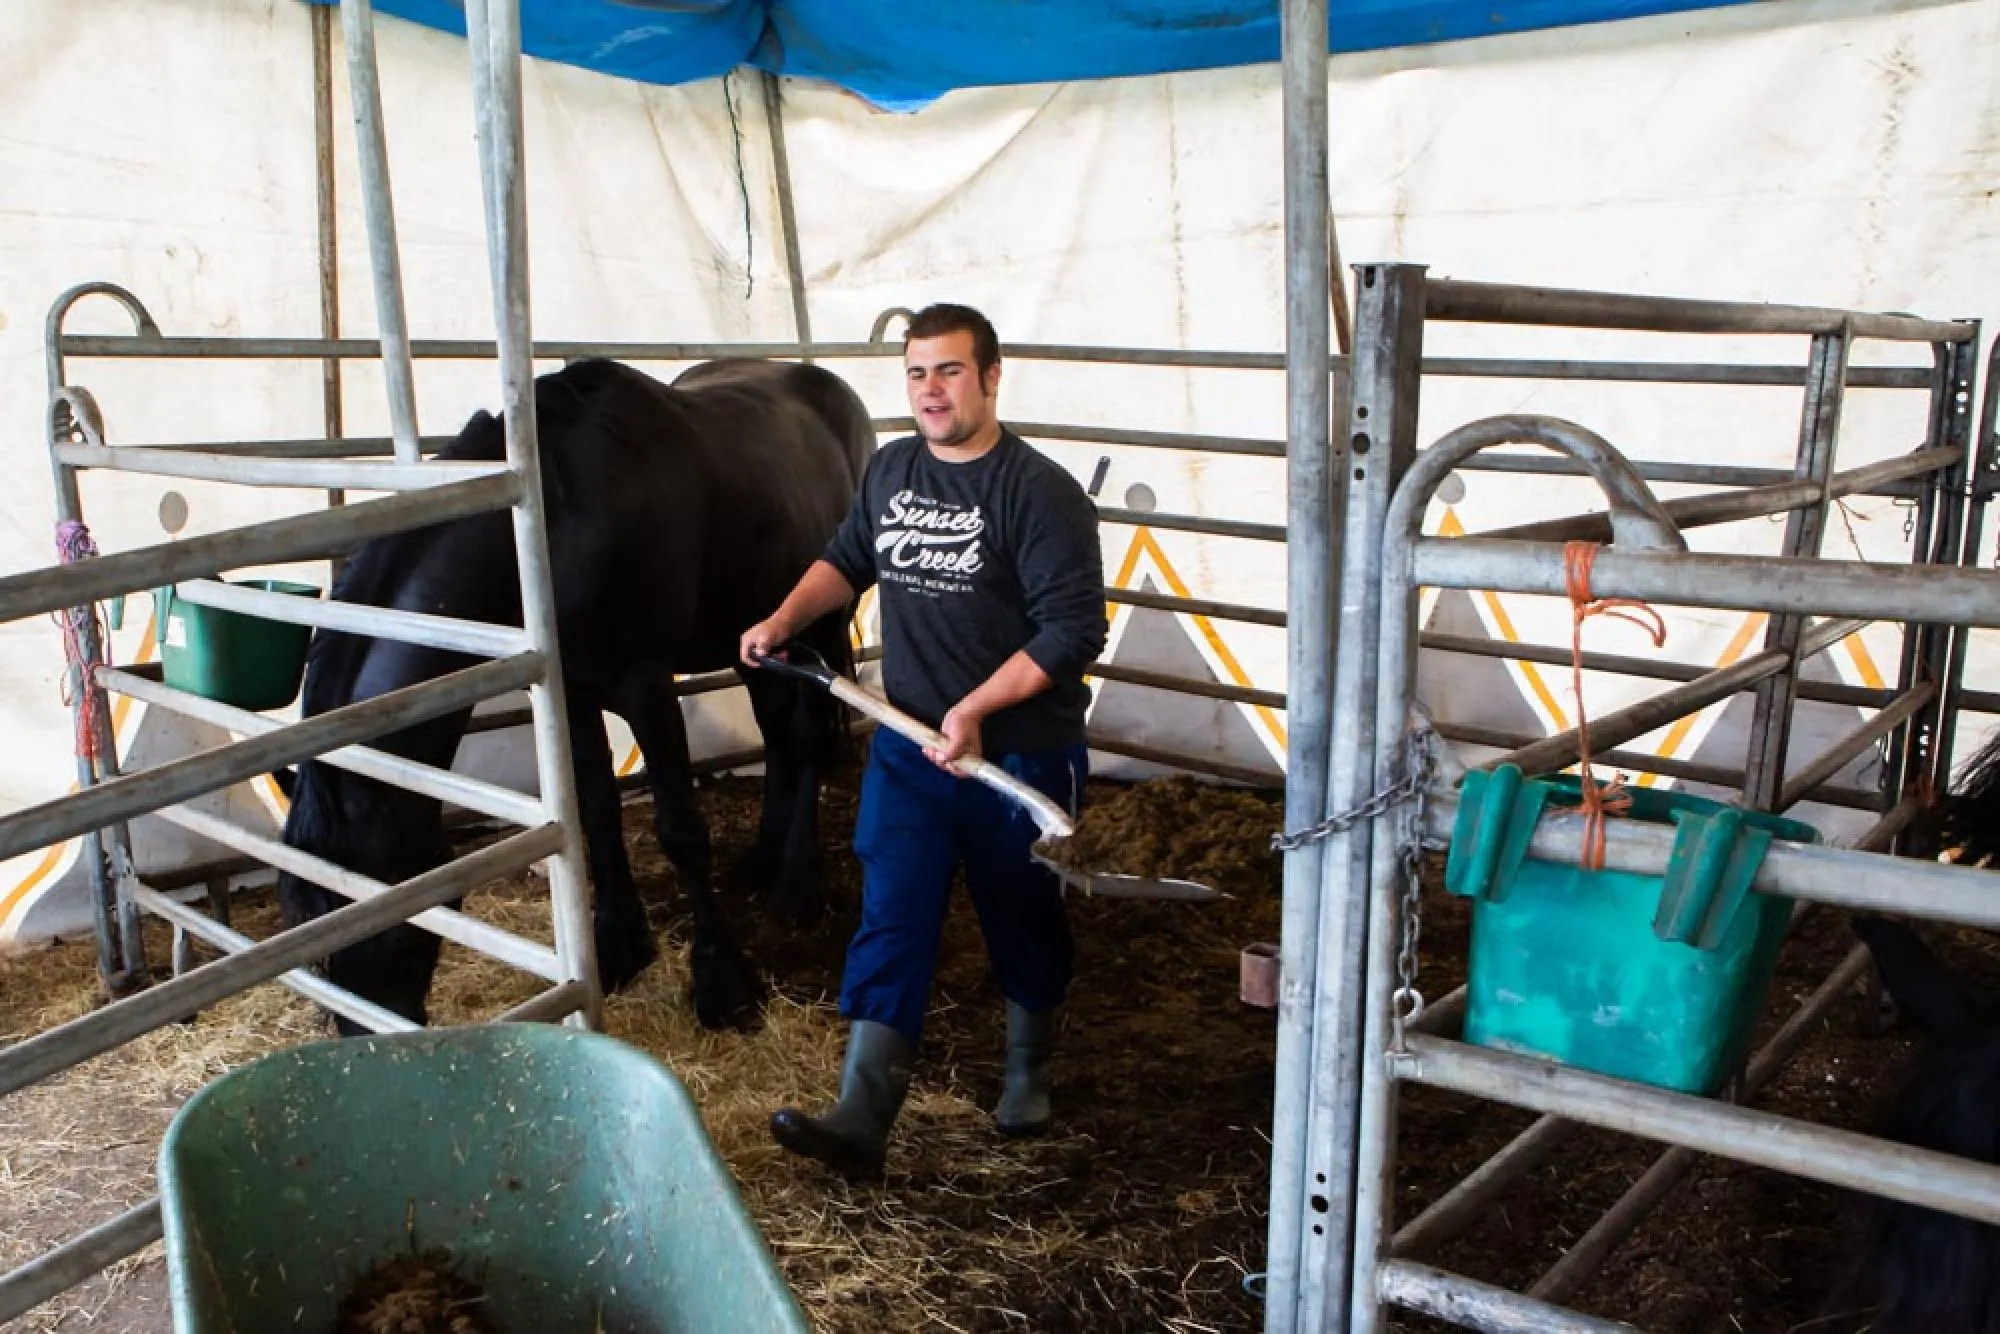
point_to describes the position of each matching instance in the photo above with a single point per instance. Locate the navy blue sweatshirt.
(976, 562)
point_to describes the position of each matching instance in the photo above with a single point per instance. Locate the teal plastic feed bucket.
(246, 661)
(565, 1173)
(1654, 978)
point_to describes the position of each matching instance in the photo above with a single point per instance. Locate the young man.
(991, 583)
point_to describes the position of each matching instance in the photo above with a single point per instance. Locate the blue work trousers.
(917, 824)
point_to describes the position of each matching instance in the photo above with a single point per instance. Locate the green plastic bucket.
(1653, 978)
(242, 660)
(565, 1172)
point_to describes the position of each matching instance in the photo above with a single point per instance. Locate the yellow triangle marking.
(1677, 735)
(1863, 663)
(1450, 526)
(1143, 542)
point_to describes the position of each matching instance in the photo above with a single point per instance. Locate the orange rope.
(1611, 798)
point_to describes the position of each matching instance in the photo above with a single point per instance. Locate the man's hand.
(961, 736)
(821, 589)
(760, 639)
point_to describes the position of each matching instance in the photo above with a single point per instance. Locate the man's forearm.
(822, 589)
(1017, 679)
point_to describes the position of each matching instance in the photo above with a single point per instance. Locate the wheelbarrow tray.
(567, 1173)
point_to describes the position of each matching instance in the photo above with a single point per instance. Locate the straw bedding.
(1143, 1210)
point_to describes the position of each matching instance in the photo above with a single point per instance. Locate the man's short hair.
(935, 321)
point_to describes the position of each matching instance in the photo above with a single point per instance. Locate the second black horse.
(676, 516)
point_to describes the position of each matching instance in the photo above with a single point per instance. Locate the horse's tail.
(834, 746)
(1967, 819)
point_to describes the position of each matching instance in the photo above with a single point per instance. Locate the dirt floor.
(1143, 1211)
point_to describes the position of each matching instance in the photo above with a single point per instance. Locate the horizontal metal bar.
(102, 1030)
(1222, 611)
(313, 987)
(1475, 1305)
(501, 720)
(147, 790)
(1840, 1158)
(1715, 775)
(55, 1272)
(274, 542)
(1801, 785)
(550, 1006)
(1234, 445)
(116, 345)
(1498, 303)
(1732, 506)
(1183, 685)
(448, 923)
(409, 627)
(1679, 701)
(1193, 523)
(435, 349)
(457, 789)
(1235, 773)
(1979, 701)
(1837, 877)
(301, 474)
(1444, 1014)
(1692, 474)
(1668, 372)
(350, 447)
(1661, 669)
(1945, 594)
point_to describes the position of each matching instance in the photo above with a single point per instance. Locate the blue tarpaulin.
(901, 54)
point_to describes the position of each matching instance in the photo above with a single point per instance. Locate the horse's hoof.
(725, 990)
(801, 894)
(622, 956)
(754, 870)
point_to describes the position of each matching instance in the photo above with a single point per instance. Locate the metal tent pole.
(371, 141)
(495, 37)
(1309, 618)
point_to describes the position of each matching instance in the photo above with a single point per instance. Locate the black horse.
(677, 517)
(1923, 1271)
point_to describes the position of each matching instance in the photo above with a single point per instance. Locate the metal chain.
(1908, 505)
(1420, 761)
(1419, 770)
(1382, 801)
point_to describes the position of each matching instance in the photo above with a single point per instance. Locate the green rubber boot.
(1024, 1098)
(853, 1138)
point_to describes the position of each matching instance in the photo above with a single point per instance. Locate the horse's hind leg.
(618, 920)
(790, 716)
(725, 989)
(392, 968)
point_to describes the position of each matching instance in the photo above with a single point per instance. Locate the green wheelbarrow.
(565, 1175)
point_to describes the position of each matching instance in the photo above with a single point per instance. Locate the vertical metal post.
(494, 32)
(1961, 523)
(1915, 755)
(1309, 583)
(1819, 428)
(1378, 445)
(329, 225)
(788, 222)
(106, 853)
(1336, 273)
(357, 22)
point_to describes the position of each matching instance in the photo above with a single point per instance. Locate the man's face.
(951, 401)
